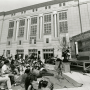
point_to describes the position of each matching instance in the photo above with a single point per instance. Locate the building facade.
(42, 28)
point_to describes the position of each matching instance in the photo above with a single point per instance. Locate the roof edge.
(35, 6)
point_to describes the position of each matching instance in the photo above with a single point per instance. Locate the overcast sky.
(6, 5)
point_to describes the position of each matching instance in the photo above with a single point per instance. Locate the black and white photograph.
(44, 44)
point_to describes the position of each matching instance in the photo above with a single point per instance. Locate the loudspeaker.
(38, 52)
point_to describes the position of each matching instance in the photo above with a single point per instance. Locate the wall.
(73, 26)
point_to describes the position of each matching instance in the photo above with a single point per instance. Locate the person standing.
(59, 66)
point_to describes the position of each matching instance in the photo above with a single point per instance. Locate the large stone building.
(42, 28)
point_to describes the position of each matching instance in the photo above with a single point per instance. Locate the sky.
(7, 5)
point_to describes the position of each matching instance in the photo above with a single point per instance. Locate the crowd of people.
(29, 70)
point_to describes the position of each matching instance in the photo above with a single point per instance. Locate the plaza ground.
(76, 75)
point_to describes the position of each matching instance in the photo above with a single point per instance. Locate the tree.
(63, 42)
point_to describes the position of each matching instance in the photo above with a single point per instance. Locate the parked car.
(51, 60)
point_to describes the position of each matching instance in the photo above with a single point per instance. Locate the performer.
(59, 67)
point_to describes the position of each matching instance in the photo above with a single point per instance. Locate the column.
(17, 28)
(1, 28)
(38, 31)
(55, 23)
(76, 47)
(67, 40)
(14, 32)
(28, 28)
(41, 25)
(25, 30)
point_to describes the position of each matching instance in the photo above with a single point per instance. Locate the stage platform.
(80, 63)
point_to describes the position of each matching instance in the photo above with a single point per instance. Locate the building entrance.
(48, 53)
(30, 51)
(20, 52)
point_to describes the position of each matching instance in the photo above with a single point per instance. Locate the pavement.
(59, 83)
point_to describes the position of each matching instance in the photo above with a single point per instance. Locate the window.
(22, 22)
(21, 12)
(13, 14)
(33, 30)
(47, 24)
(49, 7)
(36, 9)
(20, 52)
(63, 23)
(33, 10)
(45, 7)
(21, 28)
(8, 42)
(47, 28)
(63, 27)
(21, 31)
(47, 18)
(63, 16)
(30, 51)
(47, 40)
(20, 42)
(24, 11)
(64, 4)
(32, 40)
(8, 53)
(11, 28)
(34, 20)
(60, 4)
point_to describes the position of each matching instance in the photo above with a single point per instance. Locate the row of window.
(36, 9)
(46, 52)
(31, 50)
(62, 4)
(63, 25)
(19, 43)
(32, 41)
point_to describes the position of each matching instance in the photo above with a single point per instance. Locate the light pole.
(80, 16)
(76, 50)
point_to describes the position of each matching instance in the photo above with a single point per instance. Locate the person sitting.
(6, 71)
(14, 70)
(29, 79)
(44, 85)
(5, 79)
(41, 72)
(23, 77)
